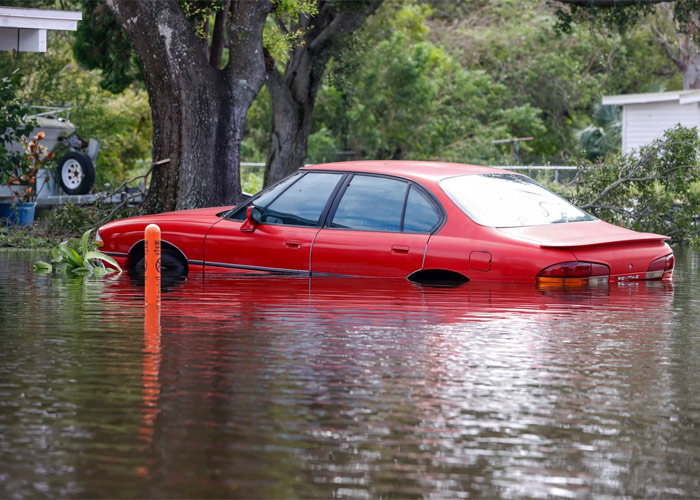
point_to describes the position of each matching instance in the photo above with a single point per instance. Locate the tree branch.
(280, 92)
(623, 180)
(126, 199)
(343, 22)
(668, 48)
(280, 24)
(219, 36)
(245, 35)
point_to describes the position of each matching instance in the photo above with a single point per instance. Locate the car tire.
(171, 265)
(76, 173)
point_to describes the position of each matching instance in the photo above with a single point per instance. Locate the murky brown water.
(286, 387)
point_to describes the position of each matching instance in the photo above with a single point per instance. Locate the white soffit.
(690, 97)
(680, 96)
(24, 30)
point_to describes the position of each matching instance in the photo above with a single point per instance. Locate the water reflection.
(220, 298)
(151, 369)
(283, 387)
(335, 385)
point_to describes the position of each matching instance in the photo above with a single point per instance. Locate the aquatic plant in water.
(78, 256)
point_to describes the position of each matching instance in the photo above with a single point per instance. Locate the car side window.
(371, 204)
(303, 203)
(421, 215)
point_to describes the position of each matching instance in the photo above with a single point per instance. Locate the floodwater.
(284, 387)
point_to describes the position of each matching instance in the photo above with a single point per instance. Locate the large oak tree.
(198, 106)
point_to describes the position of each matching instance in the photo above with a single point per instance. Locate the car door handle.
(399, 249)
(292, 244)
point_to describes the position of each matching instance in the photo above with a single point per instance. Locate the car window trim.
(403, 208)
(336, 195)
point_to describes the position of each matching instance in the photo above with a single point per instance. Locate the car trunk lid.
(580, 234)
(627, 253)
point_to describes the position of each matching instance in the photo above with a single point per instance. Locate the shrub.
(656, 189)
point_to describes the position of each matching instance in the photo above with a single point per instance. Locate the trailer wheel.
(76, 173)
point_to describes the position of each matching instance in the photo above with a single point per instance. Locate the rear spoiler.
(605, 240)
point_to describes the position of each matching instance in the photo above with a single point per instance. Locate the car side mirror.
(253, 216)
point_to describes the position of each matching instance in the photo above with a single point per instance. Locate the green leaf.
(84, 241)
(102, 271)
(103, 257)
(61, 267)
(42, 267)
(70, 255)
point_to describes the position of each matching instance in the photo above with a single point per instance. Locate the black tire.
(76, 173)
(171, 265)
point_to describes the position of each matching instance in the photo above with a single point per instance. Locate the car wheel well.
(438, 277)
(137, 252)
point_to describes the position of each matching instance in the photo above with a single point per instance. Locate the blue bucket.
(17, 214)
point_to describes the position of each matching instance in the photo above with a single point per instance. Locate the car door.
(291, 216)
(379, 226)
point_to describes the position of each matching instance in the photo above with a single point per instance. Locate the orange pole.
(152, 253)
(152, 350)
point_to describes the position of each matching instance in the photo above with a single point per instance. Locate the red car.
(417, 220)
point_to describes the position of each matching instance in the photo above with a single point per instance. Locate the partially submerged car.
(417, 220)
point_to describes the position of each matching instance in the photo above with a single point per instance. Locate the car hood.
(579, 234)
(195, 212)
(197, 216)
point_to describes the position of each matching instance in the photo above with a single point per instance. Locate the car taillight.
(98, 239)
(575, 273)
(661, 268)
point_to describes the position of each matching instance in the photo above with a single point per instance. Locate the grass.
(24, 238)
(53, 226)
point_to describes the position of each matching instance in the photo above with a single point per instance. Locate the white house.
(646, 116)
(24, 30)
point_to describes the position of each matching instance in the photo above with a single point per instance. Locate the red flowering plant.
(22, 176)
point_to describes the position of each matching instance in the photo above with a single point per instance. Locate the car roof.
(434, 170)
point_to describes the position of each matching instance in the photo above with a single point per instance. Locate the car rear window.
(509, 200)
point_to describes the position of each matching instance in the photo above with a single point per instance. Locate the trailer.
(75, 173)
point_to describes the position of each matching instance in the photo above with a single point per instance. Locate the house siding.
(642, 123)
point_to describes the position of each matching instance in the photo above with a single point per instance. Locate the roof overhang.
(680, 96)
(24, 30)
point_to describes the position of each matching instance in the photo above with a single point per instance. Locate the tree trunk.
(293, 100)
(689, 61)
(683, 53)
(198, 110)
(293, 94)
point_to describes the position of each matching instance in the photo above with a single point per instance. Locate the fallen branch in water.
(129, 197)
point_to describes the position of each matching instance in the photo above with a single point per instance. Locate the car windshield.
(509, 200)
